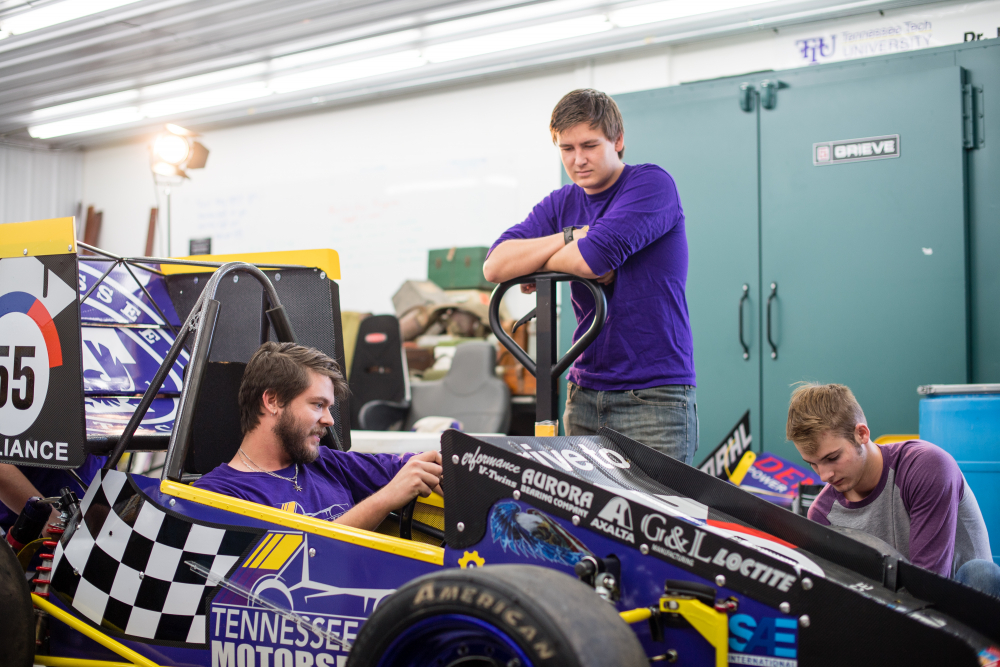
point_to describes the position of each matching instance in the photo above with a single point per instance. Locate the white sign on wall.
(892, 32)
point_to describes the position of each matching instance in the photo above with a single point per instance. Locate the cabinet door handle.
(770, 341)
(746, 295)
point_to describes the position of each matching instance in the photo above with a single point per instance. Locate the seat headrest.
(472, 366)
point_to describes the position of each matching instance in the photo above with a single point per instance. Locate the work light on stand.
(172, 153)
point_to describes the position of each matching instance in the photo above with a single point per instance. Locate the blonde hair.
(818, 409)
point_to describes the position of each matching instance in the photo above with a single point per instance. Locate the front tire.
(19, 613)
(496, 616)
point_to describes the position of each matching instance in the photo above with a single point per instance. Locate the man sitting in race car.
(285, 399)
(910, 494)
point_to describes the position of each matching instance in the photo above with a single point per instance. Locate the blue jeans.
(983, 575)
(664, 418)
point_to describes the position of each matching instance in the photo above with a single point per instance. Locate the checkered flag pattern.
(124, 567)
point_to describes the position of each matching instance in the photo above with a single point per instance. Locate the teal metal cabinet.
(868, 257)
(699, 135)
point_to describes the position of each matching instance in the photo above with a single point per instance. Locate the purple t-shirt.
(332, 484)
(922, 506)
(637, 229)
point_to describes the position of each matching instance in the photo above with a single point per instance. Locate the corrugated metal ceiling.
(137, 64)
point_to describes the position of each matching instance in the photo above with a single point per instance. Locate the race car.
(561, 551)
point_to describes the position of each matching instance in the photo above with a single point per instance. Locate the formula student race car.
(546, 551)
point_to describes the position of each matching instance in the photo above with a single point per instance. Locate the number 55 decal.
(29, 347)
(22, 399)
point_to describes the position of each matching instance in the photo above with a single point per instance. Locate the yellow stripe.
(95, 634)
(56, 661)
(324, 259)
(281, 552)
(273, 540)
(257, 550)
(433, 499)
(39, 237)
(308, 524)
(289, 506)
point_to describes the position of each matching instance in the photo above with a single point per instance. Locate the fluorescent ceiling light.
(495, 19)
(85, 123)
(359, 69)
(60, 12)
(204, 80)
(674, 9)
(114, 99)
(346, 49)
(513, 39)
(209, 98)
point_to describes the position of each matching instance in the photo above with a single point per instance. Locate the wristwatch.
(567, 234)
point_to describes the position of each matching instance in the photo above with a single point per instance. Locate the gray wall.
(36, 183)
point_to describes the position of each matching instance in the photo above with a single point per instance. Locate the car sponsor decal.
(763, 641)
(40, 362)
(752, 561)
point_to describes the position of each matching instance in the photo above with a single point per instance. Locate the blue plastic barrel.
(964, 420)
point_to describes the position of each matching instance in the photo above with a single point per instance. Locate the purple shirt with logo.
(637, 229)
(332, 484)
(922, 506)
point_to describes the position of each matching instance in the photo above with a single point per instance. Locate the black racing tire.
(19, 613)
(556, 620)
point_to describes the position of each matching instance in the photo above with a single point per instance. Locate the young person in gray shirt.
(910, 494)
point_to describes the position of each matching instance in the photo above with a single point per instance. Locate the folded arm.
(519, 257)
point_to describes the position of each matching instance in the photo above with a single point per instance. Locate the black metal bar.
(194, 374)
(746, 295)
(547, 350)
(147, 399)
(504, 338)
(151, 300)
(281, 324)
(596, 325)
(265, 323)
(79, 480)
(99, 281)
(770, 341)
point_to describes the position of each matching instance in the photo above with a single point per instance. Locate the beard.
(293, 437)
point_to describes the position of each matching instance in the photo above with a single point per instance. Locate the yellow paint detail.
(56, 661)
(636, 615)
(324, 259)
(289, 506)
(433, 499)
(711, 623)
(282, 550)
(257, 550)
(890, 438)
(272, 540)
(308, 524)
(471, 559)
(742, 467)
(39, 237)
(95, 634)
(546, 430)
